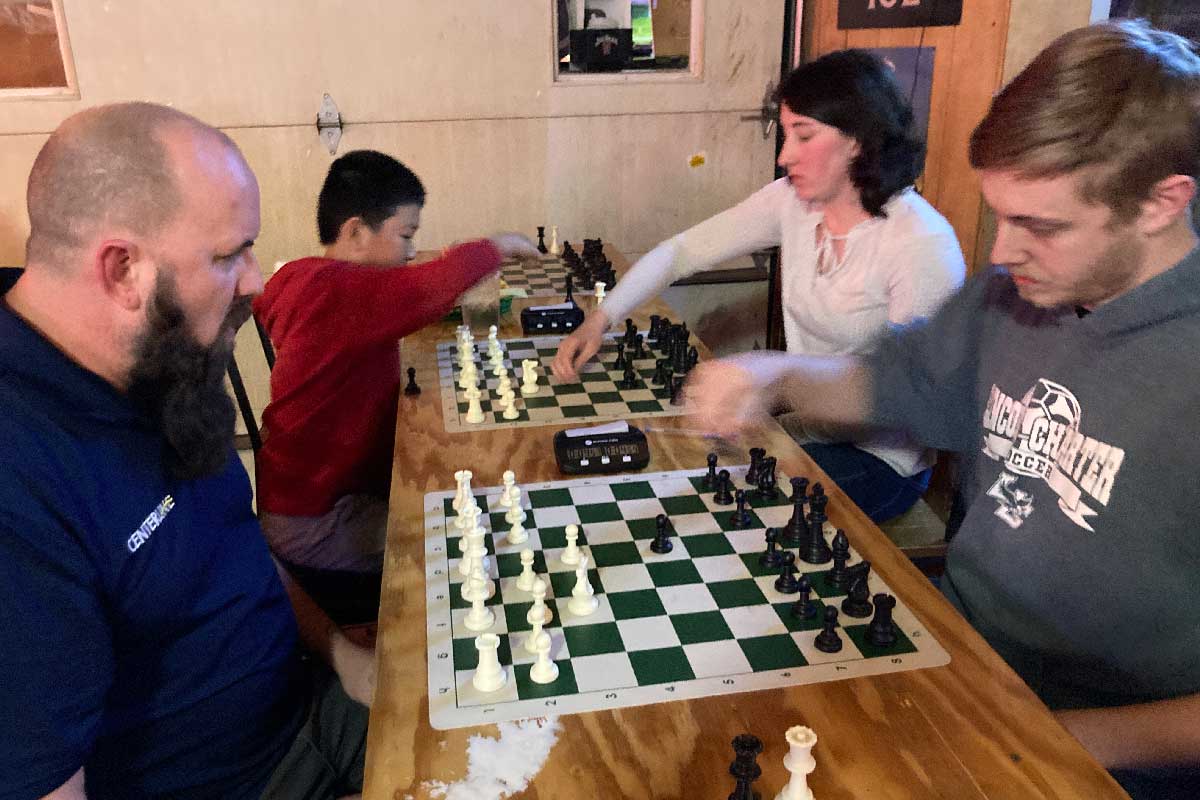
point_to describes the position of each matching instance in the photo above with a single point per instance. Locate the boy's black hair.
(855, 92)
(366, 184)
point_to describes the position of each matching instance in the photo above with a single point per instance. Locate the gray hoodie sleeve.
(923, 376)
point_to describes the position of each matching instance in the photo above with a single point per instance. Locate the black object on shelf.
(601, 49)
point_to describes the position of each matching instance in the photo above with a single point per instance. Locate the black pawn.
(881, 632)
(804, 607)
(639, 349)
(621, 360)
(677, 390)
(741, 517)
(570, 298)
(630, 332)
(786, 582)
(745, 768)
(818, 500)
(541, 245)
(827, 640)
(757, 454)
(838, 576)
(660, 374)
(630, 379)
(709, 482)
(412, 387)
(772, 556)
(724, 492)
(858, 601)
(693, 357)
(662, 535)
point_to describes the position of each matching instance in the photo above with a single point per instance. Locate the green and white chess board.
(704, 619)
(595, 397)
(546, 277)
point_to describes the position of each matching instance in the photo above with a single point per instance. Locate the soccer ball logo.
(1046, 404)
(1055, 402)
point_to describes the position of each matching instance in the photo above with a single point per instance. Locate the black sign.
(898, 13)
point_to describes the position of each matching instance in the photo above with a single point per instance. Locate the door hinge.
(329, 124)
(768, 114)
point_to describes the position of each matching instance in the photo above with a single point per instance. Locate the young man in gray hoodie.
(1067, 376)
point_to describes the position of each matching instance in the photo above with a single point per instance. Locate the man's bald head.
(106, 169)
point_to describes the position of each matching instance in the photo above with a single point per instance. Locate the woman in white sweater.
(861, 250)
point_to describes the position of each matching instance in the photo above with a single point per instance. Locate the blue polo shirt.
(144, 632)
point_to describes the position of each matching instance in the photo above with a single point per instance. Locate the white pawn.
(529, 377)
(543, 670)
(527, 577)
(800, 762)
(600, 292)
(515, 512)
(535, 635)
(480, 617)
(539, 610)
(583, 601)
(489, 675)
(517, 534)
(474, 409)
(554, 248)
(508, 401)
(509, 478)
(572, 554)
(503, 382)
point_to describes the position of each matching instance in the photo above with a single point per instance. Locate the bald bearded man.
(147, 641)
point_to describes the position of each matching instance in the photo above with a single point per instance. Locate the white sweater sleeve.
(751, 225)
(923, 274)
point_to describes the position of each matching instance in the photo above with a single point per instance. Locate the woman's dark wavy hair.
(855, 92)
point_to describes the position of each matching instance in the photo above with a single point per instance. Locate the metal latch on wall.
(329, 124)
(768, 114)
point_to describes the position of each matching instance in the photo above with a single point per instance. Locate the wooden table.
(971, 729)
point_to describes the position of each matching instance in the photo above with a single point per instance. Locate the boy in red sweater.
(325, 465)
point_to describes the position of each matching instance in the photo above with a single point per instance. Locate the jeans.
(874, 487)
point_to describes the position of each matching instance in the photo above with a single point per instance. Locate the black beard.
(180, 384)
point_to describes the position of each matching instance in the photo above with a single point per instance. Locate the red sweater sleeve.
(388, 303)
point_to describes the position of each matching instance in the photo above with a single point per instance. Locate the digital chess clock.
(615, 447)
(559, 318)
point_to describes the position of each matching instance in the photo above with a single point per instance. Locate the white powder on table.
(498, 768)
